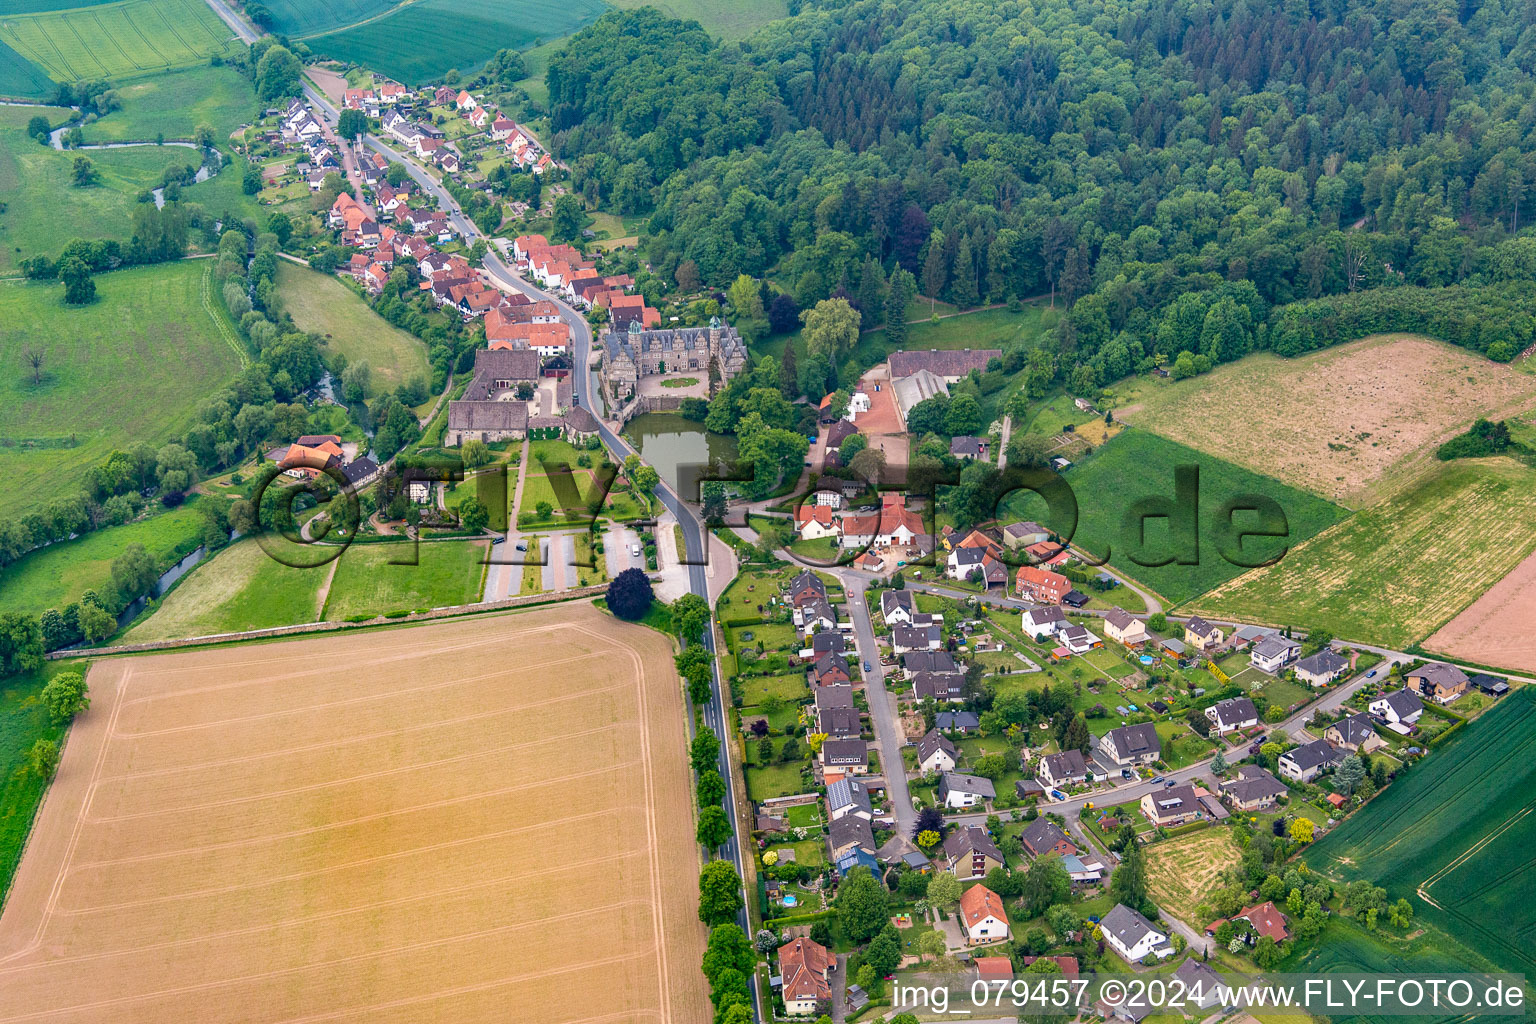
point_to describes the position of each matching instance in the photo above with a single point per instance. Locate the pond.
(679, 449)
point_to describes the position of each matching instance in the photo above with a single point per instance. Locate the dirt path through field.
(440, 822)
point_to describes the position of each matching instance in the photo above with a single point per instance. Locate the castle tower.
(714, 338)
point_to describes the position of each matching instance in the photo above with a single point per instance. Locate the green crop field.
(1136, 465)
(301, 18)
(8, 7)
(368, 582)
(58, 574)
(1395, 572)
(175, 104)
(240, 588)
(322, 304)
(1457, 836)
(421, 41)
(118, 40)
(20, 78)
(149, 326)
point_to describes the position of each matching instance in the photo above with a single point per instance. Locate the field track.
(472, 821)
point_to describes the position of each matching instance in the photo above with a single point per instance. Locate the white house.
(935, 753)
(804, 967)
(1064, 769)
(1047, 620)
(897, 607)
(1232, 715)
(1202, 986)
(1321, 668)
(960, 791)
(848, 796)
(1308, 761)
(981, 910)
(1400, 707)
(1132, 936)
(916, 638)
(1273, 653)
(1078, 640)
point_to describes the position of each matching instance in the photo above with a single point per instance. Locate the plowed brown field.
(480, 820)
(1496, 628)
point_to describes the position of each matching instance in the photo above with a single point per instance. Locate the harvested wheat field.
(1496, 628)
(1182, 872)
(1346, 422)
(470, 821)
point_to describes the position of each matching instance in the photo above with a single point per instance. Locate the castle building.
(638, 352)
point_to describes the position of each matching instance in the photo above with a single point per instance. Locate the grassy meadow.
(322, 304)
(1395, 572)
(240, 588)
(23, 721)
(53, 576)
(420, 41)
(175, 104)
(369, 581)
(119, 40)
(1136, 465)
(149, 327)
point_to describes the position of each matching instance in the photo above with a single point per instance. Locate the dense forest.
(1202, 177)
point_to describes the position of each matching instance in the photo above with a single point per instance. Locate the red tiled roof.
(979, 902)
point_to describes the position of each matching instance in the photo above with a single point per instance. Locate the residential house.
(815, 522)
(1123, 627)
(1131, 745)
(829, 698)
(826, 643)
(982, 913)
(944, 687)
(968, 447)
(993, 968)
(970, 853)
(964, 562)
(1043, 836)
(1041, 585)
(479, 117)
(1438, 682)
(905, 639)
(1068, 964)
(1232, 715)
(502, 128)
(1273, 653)
(846, 755)
(1022, 535)
(1266, 920)
(464, 101)
(1077, 640)
(839, 722)
(1132, 936)
(1068, 768)
(928, 661)
(1252, 789)
(935, 753)
(1400, 707)
(815, 615)
(1202, 635)
(1082, 872)
(960, 791)
(805, 587)
(1308, 761)
(1355, 733)
(829, 670)
(957, 721)
(1043, 621)
(897, 607)
(1321, 668)
(848, 796)
(1175, 805)
(804, 968)
(1203, 987)
(850, 832)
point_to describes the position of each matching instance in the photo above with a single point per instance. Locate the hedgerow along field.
(1136, 464)
(368, 825)
(421, 41)
(1395, 572)
(1350, 422)
(1456, 836)
(153, 327)
(119, 40)
(24, 720)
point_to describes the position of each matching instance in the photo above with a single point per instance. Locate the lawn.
(1182, 871)
(121, 40)
(1182, 746)
(1281, 692)
(1459, 829)
(1137, 465)
(533, 571)
(773, 780)
(23, 721)
(12, 116)
(1395, 572)
(149, 326)
(322, 304)
(788, 687)
(370, 581)
(54, 576)
(44, 209)
(175, 104)
(240, 588)
(421, 41)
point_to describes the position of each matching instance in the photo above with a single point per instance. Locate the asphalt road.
(882, 708)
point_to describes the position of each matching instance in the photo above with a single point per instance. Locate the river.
(679, 449)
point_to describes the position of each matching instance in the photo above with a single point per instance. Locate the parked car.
(1371, 674)
(1156, 779)
(1126, 773)
(1057, 794)
(634, 549)
(522, 546)
(868, 667)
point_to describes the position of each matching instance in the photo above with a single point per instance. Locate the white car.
(634, 549)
